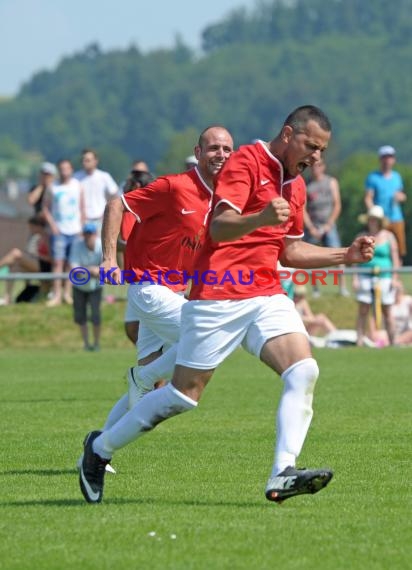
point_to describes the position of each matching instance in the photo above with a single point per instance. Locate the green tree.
(181, 145)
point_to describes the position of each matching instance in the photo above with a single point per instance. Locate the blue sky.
(35, 34)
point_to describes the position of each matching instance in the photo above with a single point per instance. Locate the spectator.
(377, 288)
(323, 208)
(34, 259)
(87, 253)
(63, 209)
(98, 186)
(139, 169)
(384, 188)
(190, 162)
(47, 174)
(402, 316)
(402, 320)
(316, 324)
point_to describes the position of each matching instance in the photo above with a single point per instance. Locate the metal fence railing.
(346, 271)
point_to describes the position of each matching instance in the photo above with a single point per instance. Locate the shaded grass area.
(197, 481)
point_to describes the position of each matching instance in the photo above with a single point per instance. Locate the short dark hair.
(94, 153)
(299, 118)
(202, 134)
(64, 160)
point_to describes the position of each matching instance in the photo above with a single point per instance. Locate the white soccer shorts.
(158, 309)
(366, 286)
(212, 330)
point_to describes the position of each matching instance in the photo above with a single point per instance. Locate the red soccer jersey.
(128, 221)
(171, 213)
(243, 268)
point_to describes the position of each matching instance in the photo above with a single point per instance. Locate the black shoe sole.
(309, 487)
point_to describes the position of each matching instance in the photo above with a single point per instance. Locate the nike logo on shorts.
(188, 211)
(264, 182)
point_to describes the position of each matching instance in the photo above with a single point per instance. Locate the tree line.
(350, 57)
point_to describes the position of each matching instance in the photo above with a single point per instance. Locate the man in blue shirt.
(384, 188)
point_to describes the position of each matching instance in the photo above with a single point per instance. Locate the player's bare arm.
(227, 224)
(112, 220)
(304, 255)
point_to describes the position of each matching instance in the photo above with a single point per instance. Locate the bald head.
(213, 149)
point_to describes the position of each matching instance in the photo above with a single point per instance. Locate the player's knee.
(302, 374)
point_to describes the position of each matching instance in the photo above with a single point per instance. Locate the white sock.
(155, 407)
(118, 411)
(294, 412)
(161, 368)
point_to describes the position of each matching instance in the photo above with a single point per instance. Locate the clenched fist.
(361, 250)
(276, 212)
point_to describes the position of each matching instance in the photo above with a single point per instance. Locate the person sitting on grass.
(401, 312)
(35, 258)
(316, 324)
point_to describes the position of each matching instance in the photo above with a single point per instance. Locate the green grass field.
(200, 477)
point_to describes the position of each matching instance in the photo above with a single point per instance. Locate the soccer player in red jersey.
(171, 214)
(257, 217)
(139, 176)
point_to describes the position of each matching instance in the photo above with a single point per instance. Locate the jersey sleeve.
(126, 227)
(296, 229)
(234, 183)
(146, 202)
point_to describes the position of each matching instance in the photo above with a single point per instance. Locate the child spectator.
(87, 254)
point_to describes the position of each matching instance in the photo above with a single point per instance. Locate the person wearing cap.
(384, 187)
(381, 279)
(47, 174)
(87, 255)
